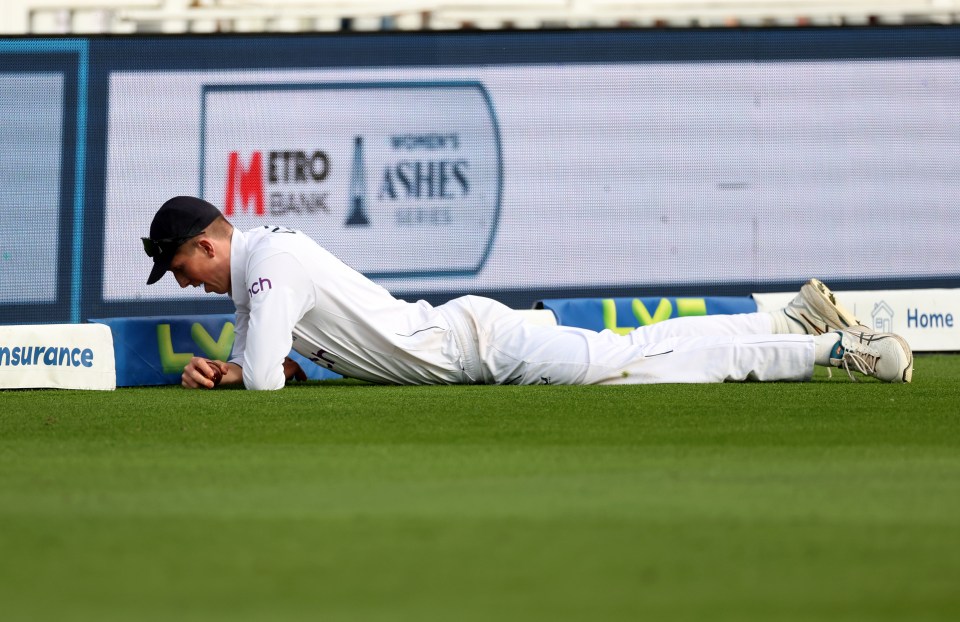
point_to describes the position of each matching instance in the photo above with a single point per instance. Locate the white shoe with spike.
(817, 310)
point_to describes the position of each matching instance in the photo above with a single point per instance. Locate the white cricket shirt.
(290, 292)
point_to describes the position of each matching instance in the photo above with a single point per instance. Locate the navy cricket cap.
(177, 221)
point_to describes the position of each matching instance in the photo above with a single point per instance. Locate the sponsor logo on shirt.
(260, 285)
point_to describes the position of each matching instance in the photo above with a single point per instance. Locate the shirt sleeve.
(281, 293)
(242, 320)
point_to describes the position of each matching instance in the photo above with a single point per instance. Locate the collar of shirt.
(238, 269)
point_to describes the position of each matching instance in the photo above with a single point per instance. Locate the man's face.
(196, 263)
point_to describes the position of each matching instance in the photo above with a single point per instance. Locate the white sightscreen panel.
(595, 175)
(31, 109)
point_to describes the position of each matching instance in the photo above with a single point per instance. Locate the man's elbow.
(263, 380)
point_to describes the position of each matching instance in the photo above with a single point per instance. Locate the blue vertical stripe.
(81, 47)
(79, 187)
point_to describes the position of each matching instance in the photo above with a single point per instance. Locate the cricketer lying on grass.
(290, 292)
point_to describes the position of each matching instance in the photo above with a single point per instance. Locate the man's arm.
(263, 332)
(199, 373)
(242, 318)
(281, 294)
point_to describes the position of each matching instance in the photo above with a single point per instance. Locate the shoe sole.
(822, 300)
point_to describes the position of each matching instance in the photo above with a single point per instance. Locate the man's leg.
(813, 311)
(515, 352)
(706, 326)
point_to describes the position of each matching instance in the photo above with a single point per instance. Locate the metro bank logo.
(397, 179)
(247, 182)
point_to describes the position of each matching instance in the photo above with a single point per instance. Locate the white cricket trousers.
(498, 346)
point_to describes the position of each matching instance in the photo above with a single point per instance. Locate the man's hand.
(201, 373)
(292, 370)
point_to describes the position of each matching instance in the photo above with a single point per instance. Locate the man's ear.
(207, 246)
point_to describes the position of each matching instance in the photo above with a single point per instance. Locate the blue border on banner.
(81, 47)
(406, 49)
(345, 86)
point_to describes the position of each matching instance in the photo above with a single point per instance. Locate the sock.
(783, 324)
(828, 346)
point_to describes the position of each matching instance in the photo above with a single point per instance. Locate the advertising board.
(440, 179)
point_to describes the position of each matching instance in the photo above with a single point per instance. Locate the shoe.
(884, 356)
(817, 310)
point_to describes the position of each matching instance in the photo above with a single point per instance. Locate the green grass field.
(820, 501)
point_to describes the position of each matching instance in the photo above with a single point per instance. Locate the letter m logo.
(248, 183)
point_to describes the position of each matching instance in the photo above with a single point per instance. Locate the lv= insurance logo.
(173, 362)
(664, 311)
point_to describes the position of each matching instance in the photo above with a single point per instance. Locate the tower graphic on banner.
(358, 188)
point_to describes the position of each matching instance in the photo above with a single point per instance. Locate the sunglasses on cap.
(154, 247)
